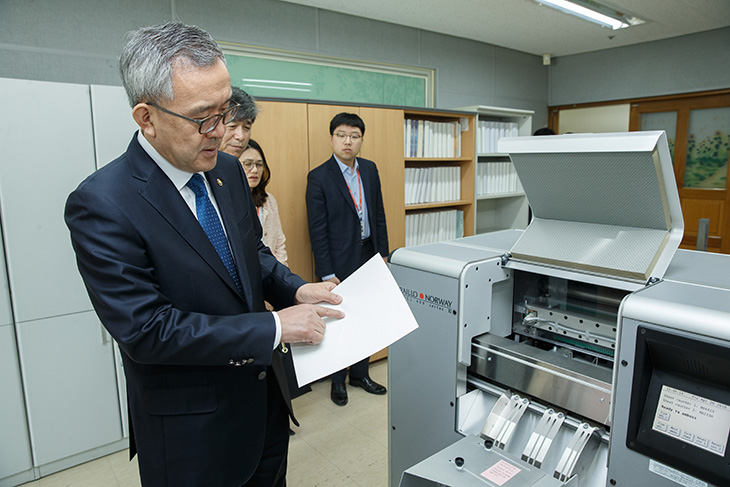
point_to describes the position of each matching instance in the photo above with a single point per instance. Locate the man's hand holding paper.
(376, 315)
(304, 322)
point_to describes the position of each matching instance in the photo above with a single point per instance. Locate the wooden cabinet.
(281, 130)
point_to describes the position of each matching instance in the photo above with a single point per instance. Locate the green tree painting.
(708, 149)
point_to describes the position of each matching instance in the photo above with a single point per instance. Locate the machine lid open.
(602, 203)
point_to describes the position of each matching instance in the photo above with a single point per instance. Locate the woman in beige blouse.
(258, 174)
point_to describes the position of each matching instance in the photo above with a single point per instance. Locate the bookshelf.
(438, 161)
(500, 202)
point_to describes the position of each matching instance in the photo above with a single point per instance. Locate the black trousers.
(271, 470)
(359, 369)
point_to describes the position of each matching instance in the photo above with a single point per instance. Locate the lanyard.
(358, 207)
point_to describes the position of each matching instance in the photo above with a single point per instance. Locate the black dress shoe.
(369, 385)
(339, 393)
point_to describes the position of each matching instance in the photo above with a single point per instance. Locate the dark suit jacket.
(334, 226)
(195, 350)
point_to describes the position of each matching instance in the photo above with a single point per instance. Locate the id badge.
(362, 229)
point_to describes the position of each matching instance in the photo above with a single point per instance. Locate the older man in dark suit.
(169, 247)
(346, 224)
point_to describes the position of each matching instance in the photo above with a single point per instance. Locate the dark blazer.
(334, 227)
(195, 351)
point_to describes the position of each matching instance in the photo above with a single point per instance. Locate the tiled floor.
(334, 447)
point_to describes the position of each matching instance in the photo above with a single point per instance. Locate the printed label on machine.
(425, 299)
(675, 475)
(501, 472)
(693, 419)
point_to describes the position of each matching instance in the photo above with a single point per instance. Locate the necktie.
(208, 218)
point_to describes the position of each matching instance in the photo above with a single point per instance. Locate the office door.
(698, 131)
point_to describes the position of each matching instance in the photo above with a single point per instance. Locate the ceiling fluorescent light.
(248, 85)
(593, 12)
(276, 82)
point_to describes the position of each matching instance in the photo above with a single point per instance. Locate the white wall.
(686, 64)
(611, 118)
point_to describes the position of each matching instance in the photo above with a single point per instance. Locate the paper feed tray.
(602, 203)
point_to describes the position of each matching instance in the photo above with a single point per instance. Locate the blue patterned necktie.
(208, 218)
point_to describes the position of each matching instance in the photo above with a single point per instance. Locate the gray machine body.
(553, 343)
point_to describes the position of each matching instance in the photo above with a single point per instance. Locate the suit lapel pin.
(220, 183)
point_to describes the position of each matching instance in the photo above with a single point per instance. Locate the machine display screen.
(680, 402)
(693, 419)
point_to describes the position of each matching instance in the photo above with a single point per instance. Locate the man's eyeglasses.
(248, 165)
(342, 137)
(207, 124)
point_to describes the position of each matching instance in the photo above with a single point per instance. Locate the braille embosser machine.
(586, 350)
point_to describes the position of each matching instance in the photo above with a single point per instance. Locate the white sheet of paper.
(376, 315)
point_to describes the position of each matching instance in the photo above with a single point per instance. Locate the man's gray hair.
(248, 110)
(147, 61)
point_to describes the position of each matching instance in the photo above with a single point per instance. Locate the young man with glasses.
(169, 247)
(346, 224)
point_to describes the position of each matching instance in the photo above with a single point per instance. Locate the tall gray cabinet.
(15, 458)
(59, 390)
